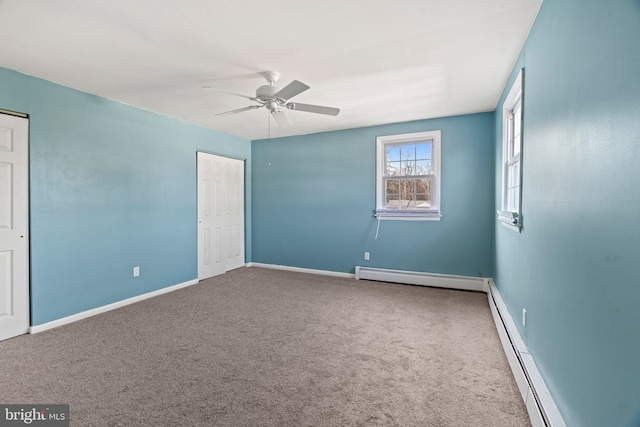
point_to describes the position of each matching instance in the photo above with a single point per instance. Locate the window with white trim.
(408, 176)
(512, 119)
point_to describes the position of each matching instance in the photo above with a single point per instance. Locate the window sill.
(513, 227)
(407, 216)
(510, 220)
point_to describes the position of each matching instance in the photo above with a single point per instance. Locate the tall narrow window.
(408, 176)
(510, 212)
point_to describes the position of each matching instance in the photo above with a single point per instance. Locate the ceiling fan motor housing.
(265, 95)
(266, 92)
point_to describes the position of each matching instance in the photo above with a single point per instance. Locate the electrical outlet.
(524, 317)
(366, 256)
(136, 271)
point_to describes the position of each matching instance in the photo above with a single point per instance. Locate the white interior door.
(14, 226)
(220, 214)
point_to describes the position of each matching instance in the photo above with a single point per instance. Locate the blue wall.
(314, 197)
(112, 187)
(575, 265)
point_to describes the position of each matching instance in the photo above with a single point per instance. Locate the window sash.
(413, 198)
(512, 181)
(404, 163)
(513, 187)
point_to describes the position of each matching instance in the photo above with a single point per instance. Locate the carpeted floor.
(258, 347)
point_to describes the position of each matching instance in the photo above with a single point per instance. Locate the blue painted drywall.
(314, 197)
(112, 187)
(575, 265)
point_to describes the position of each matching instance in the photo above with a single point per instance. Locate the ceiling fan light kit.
(275, 100)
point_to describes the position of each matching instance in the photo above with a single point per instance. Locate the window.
(408, 176)
(512, 120)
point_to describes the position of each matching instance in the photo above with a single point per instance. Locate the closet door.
(14, 226)
(220, 214)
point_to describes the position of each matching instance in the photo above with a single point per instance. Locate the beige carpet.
(258, 347)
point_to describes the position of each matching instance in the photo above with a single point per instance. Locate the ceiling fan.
(276, 100)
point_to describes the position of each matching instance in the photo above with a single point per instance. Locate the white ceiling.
(380, 61)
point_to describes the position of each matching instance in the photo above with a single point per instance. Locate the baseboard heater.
(467, 283)
(541, 406)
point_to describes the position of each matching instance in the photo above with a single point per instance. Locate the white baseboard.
(108, 307)
(449, 281)
(302, 270)
(541, 407)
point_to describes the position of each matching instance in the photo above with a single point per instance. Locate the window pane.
(510, 199)
(393, 169)
(408, 167)
(423, 185)
(408, 152)
(392, 202)
(513, 187)
(393, 187)
(510, 135)
(514, 177)
(423, 167)
(423, 151)
(392, 152)
(407, 187)
(517, 123)
(392, 194)
(423, 193)
(407, 191)
(423, 201)
(513, 199)
(517, 120)
(516, 145)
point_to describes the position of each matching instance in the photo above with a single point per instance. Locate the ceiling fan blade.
(330, 111)
(292, 89)
(231, 93)
(281, 118)
(239, 110)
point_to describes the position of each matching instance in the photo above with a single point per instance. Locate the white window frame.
(432, 214)
(509, 215)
